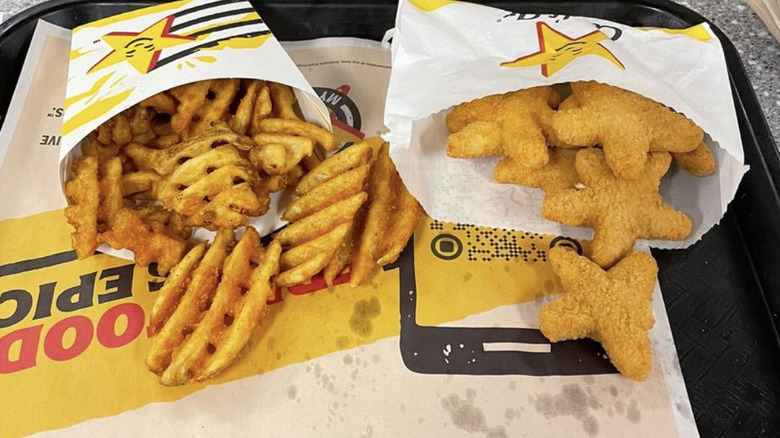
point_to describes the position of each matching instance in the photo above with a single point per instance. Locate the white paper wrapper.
(121, 60)
(446, 53)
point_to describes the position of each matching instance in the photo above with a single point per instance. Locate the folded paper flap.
(118, 62)
(464, 51)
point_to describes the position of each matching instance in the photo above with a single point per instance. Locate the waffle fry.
(279, 153)
(161, 102)
(337, 221)
(350, 158)
(214, 189)
(139, 182)
(82, 210)
(194, 341)
(262, 107)
(111, 196)
(317, 134)
(283, 101)
(191, 97)
(92, 147)
(165, 161)
(147, 243)
(243, 117)
(220, 95)
(201, 283)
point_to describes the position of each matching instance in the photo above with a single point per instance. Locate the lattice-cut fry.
(270, 184)
(307, 251)
(334, 190)
(237, 334)
(175, 285)
(82, 211)
(165, 141)
(146, 244)
(141, 120)
(406, 215)
(92, 147)
(243, 117)
(317, 134)
(293, 176)
(214, 189)
(220, 95)
(283, 100)
(206, 339)
(115, 131)
(382, 198)
(295, 150)
(164, 221)
(161, 102)
(165, 161)
(310, 162)
(201, 287)
(348, 159)
(191, 97)
(270, 158)
(698, 162)
(321, 222)
(343, 256)
(111, 193)
(262, 107)
(137, 182)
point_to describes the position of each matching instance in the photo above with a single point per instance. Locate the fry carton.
(119, 61)
(446, 53)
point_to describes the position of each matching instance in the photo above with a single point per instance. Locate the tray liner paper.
(378, 360)
(446, 53)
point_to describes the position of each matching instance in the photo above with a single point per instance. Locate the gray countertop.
(759, 51)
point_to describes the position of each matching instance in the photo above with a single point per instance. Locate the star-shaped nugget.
(698, 162)
(516, 125)
(628, 126)
(620, 211)
(612, 307)
(558, 174)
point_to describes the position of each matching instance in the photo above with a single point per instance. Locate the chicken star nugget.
(516, 125)
(620, 211)
(628, 126)
(698, 162)
(559, 173)
(612, 307)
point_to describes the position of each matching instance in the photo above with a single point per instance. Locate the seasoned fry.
(405, 219)
(165, 161)
(348, 159)
(191, 97)
(317, 134)
(261, 109)
(243, 116)
(324, 244)
(251, 313)
(295, 150)
(236, 274)
(283, 100)
(137, 182)
(181, 322)
(173, 289)
(111, 199)
(271, 158)
(148, 245)
(161, 102)
(336, 189)
(324, 220)
(213, 109)
(378, 217)
(214, 189)
(82, 210)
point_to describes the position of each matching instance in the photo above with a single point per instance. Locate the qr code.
(486, 244)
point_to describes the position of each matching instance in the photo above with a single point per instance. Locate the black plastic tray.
(722, 294)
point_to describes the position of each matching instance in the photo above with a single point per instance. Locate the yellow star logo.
(557, 50)
(140, 49)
